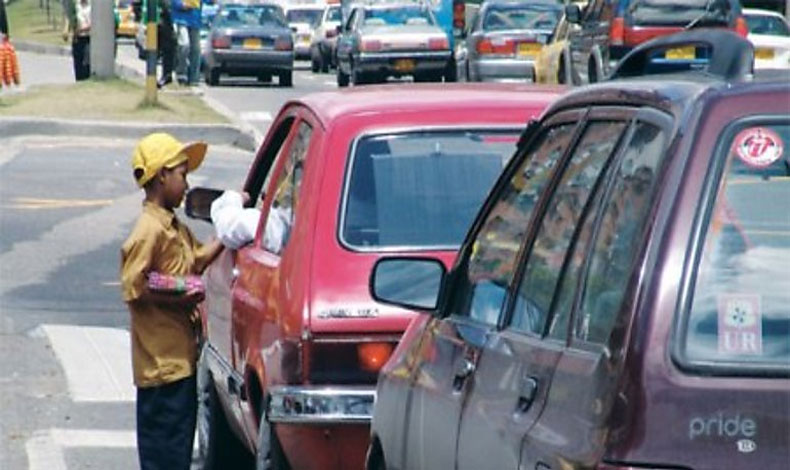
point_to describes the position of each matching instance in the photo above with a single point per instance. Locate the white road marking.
(256, 116)
(331, 83)
(96, 361)
(45, 448)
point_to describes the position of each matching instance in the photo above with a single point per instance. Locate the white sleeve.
(234, 224)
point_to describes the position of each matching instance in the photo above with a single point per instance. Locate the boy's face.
(174, 185)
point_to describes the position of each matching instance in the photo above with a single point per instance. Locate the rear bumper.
(503, 69)
(320, 405)
(385, 62)
(252, 60)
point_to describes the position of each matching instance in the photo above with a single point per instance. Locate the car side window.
(491, 263)
(282, 212)
(555, 234)
(617, 241)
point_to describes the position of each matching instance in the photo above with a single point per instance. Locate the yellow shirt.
(164, 340)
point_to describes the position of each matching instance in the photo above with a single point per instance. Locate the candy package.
(168, 283)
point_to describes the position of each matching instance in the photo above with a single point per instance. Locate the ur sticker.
(758, 147)
(740, 324)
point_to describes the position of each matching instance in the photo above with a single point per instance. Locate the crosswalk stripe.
(256, 116)
(45, 448)
(96, 361)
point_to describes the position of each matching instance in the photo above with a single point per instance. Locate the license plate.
(763, 53)
(252, 43)
(529, 49)
(404, 65)
(681, 53)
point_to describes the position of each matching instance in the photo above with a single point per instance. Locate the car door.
(261, 295)
(221, 275)
(344, 42)
(594, 301)
(514, 372)
(450, 346)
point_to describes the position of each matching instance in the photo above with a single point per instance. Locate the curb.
(214, 134)
(238, 134)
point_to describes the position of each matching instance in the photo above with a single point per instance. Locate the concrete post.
(102, 39)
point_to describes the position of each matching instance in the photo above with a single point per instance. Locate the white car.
(324, 39)
(303, 19)
(770, 34)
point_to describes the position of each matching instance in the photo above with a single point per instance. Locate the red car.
(294, 339)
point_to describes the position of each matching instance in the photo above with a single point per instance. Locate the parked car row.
(618, 300)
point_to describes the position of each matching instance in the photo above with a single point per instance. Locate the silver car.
(324, 39)
(250, 40)
(506, 36)
(379, 41)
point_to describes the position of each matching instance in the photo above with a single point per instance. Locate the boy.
(164, 326)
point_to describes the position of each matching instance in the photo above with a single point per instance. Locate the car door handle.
(463, 370)
(529, 390)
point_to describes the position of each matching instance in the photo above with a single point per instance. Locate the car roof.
(438, 97)
(671, 93)
(761, 12)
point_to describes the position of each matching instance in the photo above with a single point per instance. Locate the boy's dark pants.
(166, 416)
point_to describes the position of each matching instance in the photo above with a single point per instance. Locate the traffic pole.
(152, 15)
(102, 48)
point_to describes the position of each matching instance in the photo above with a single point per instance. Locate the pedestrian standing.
(165, 326)
(78, 28)
(167, 42)
(186, 19)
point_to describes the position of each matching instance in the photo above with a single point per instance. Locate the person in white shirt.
(236, 225)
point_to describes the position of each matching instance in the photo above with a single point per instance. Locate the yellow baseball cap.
(160, 150)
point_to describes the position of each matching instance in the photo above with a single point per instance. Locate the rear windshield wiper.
(714, 10)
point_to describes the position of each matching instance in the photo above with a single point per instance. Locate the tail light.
(372, 356)
(370, 45)
(487, 46)
(283, 43)
(741, 27)
(220, 42)
(617, 31)
(459, 15)
(438, 44)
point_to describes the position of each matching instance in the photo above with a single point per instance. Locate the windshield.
(311, 17)
(398, 16)
(678, 12)
(421, 189)
(238, 16)
(765, 24)
(334, 14)
(741, 306)
(508, 17)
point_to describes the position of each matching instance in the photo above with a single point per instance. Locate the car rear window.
(311, 17)
(740, 313)
(398, 16)
(333, 14)
(525, 16)
(420, 190)
(768, 25)
(678, 12)
(250, 16)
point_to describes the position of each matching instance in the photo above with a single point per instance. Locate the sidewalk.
(47, 64)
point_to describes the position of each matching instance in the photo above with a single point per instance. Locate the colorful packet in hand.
(168, 283)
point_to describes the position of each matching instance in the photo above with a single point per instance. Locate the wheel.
(270, 455)
(315, 66)
(212, 76)
(592, 71)
(374, 460)
(265, 78)
(324, 62)
(451, 72)
(357, 77)
(561, 71)
(286, 78)
(342, 78)
(217, 446)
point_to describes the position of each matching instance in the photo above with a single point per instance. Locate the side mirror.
(413, 283)
(573, 13)
(198, 202)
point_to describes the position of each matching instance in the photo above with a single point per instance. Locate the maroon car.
(622, 300)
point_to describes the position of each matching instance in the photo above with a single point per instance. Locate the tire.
(451, 72)
(265, 78)
(324, 62)
(342, 78)
(592, 71)
(561, 71)
(270, 455)
(212, 76)
(357, 77)
(374, 460)
(315, 66)
(286, 78)
(217, 446)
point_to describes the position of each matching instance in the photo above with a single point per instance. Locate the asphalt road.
(66, 205)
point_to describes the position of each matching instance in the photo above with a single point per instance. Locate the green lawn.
(29, 22)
